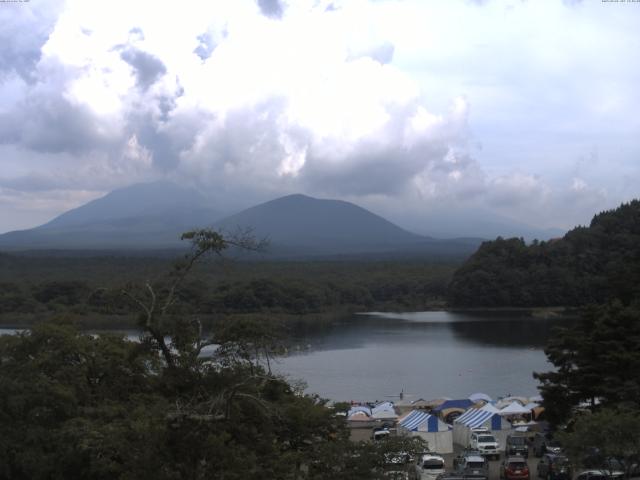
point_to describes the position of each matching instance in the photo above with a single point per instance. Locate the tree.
(186, 342)
(607, 433)
(597, 362)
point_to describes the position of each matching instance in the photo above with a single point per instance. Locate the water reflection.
(431, 354)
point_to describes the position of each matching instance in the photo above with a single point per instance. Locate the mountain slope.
(298, 225)
(141, 216)
(135, 201)
(310, 221)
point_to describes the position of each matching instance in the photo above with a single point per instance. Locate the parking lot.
(494, 465)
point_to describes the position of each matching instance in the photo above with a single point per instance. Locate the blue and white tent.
(487, 417)
(429, 427)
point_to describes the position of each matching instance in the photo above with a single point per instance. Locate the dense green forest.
(33, 288)
(588, 265)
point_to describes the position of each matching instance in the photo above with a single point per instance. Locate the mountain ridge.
(154, 215)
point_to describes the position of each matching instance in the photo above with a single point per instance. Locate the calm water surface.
(426, 354)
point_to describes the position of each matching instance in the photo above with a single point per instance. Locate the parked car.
(459, 459)
(514, 468)
(592, 475)
(380, 434)
(516, 445)
(554, 467)
(429, 466)
(543, 443)
(485, 443)
(600, 475)
(473, 467)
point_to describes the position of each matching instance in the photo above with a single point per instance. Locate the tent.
(480, 397)
(450, 414)
(384, 410)
(430, 428)
(359, 416)
(359, 408)
(463, 403)
(485, 417)
(515, 408)
(508, 400)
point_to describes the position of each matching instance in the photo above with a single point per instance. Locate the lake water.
(426, 354)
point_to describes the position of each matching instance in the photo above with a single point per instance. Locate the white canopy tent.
(514, 408)
(480, 397)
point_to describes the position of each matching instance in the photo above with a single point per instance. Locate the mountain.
(481, 223)
(151, 215)
(593, 264)
(298, 225)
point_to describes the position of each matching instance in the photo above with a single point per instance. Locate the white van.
(429, 466)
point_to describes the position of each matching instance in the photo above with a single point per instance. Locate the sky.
(419, 110)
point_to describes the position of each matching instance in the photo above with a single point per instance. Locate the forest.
(33, 288)
(588, 265)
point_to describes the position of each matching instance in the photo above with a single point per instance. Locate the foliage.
(588, 265)
(606, 433)
(97, 406)
(213, 287)
(597, 362)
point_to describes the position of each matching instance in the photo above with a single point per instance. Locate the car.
(485, 443)
(543, 443)
(516, 445)
(429, 466)
(457, 460)
(473, 467)
(600, 475)
(554, 467)
(380, 434)
(514, 468)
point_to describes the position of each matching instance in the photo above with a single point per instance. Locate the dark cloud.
(148, 68)
(49, 123)
(271, 8)
(25, 29)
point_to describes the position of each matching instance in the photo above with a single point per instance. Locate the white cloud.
(354, 99)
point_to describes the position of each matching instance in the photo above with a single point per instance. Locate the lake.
(425, 354)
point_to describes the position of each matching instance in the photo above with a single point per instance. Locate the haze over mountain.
(141, 216)
(153, 215)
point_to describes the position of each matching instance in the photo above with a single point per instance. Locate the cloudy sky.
(524, 110)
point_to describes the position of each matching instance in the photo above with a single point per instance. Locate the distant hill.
(590, 264)
(152, 216)
(142, 216)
